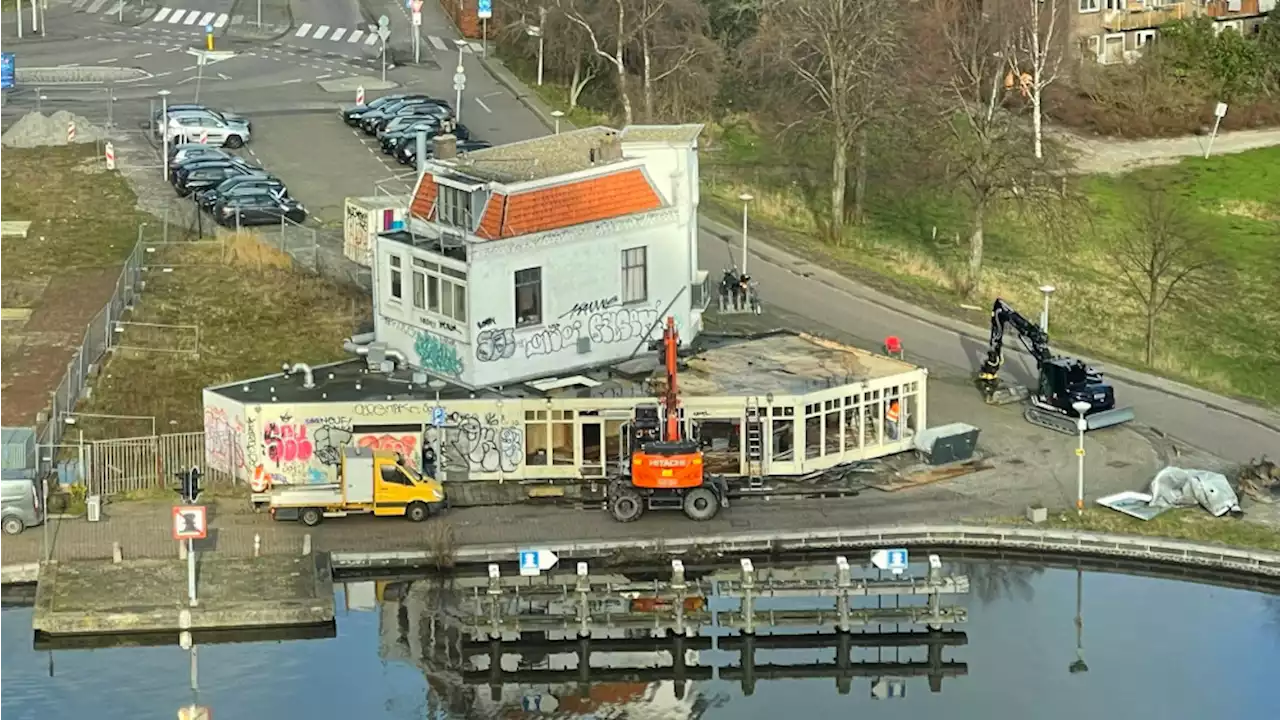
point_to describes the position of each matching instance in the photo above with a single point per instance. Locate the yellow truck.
(370, 481)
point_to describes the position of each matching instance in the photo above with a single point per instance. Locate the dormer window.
(454, 207)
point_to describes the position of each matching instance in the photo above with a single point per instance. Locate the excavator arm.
(1032, 336)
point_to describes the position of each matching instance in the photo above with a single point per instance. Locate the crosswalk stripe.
(337, 34)
(164, 13)
(176, 17)
(78, 4)
(192, 17)
(320, 32)
(116, 7)
(373, 38)
(207, 18)
(237, 19)
(306, 28)
(439, 43)
(221, 21)
(355, 36)
(96, 6)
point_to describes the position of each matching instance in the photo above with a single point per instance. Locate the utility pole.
(19, 13)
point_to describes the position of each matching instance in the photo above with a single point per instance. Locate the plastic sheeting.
(1179, 487)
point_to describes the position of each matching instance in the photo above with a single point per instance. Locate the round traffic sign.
(459, 78)
(383, 21)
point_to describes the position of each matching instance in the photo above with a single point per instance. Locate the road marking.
(78, 4)
(323, 77)
(290, 82)
(116, 8)
(337, 34)
(142, 55)
(306, 28)
(160, 16)
(355, 36)
(97, 5)
(438, 42)
(373, 38)
(235, 19)
(206, 19)
(224, 77)
(188, 69)
(486, 107)
(175, 48)
(166, 72)
(320, 32)
(176, 17)
(192, 17)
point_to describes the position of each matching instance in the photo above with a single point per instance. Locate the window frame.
(1096, 6)
(453, 207)
(628, 267)
(396, 265)
(439, 281)
(535, 319)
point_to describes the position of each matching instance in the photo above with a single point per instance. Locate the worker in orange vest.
(892, 416)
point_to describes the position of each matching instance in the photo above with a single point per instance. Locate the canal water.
(1148, 648)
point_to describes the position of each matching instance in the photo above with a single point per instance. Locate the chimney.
(610, 148)
(446, 146)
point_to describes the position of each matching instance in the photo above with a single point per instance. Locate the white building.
(534, 259)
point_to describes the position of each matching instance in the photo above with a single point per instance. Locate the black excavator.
(1063, 381)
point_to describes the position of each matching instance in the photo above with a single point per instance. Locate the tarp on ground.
(1179, 487)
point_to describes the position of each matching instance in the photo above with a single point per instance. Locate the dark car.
(251, 182)
(410, 114)
(375, 121)
(211, 176)
(409, 133)
(180, 173)
(352, 115)
(407, 153)
(192, 152)
(261, 208)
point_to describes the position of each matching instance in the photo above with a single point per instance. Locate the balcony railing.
(1224, 9)
(1138, 18)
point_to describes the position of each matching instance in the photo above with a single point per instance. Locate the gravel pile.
(36, 130)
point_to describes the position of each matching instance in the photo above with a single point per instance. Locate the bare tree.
(1164, 254)
(831, 60)
(1039, 54)
(603, 20)
(670, 42)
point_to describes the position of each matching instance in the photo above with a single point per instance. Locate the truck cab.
(377, 482)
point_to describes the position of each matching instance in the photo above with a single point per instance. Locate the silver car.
(190, 125)
(20, 506)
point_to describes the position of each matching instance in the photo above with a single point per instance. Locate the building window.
(440, 290)
(528, 297)
(1088, 6)
(419, 289)
(397, 291)
(433, 293)
(454, 207)
(635, 275)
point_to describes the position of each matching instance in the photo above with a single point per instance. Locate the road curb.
(782, 258)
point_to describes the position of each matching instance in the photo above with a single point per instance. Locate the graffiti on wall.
(329, 440)
(479, 444)
(405, 445)
(603, 321)
(286, 442)
(437, 354)
(223, 441)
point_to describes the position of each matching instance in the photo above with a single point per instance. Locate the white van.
(20, 506)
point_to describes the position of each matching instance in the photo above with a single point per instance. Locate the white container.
(93, 507)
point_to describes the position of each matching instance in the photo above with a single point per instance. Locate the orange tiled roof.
(491, 222)
(597, 198)
(424, 199)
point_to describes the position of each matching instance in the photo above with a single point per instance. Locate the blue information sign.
(6, 71)
(484, 9)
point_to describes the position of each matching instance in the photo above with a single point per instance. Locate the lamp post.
(457, 86)
(557, 114)
(1044, 314)
(746, 199)
(1082, 408)
(164, 131)
(438, 385)
(537, 32)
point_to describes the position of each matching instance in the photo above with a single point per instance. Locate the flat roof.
(536, 159)
(778, 362)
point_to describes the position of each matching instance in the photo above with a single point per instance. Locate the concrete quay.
(150, 596)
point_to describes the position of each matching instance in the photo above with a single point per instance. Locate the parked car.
(375, 120)
(190, 152)
(211, 176)
(260, 208)
(192, 107)
(429, 108)
(409, 133)
(20, 505)
(407, 153)
(400, 122)
(180, 172)
(189, 126)
(242, 184)
(352, 115)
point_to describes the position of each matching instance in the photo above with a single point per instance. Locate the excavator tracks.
(1049, 419)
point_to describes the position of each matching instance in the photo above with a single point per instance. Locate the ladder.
(755, 444)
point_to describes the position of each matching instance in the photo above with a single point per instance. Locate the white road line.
(188, 69)
(96, 6)
(373, 38)
(142, 55)
(175, 48)
(166, 72)
(224, 77)
(207, 18)
(108, 61)
(177, 15)
(306, 28)
(337, 34)
(192, 17)
(486, 107)
(160, 16)
(323, 77)
(291, 82)
(235, 20)
(355, 36)
(320, 32)
(438, 42)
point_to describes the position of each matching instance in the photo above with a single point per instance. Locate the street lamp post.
(746, 199)
(1044, 314)
(164, 131)
(1082, 408)
(457, 111)
(557, 114)
(438, 385)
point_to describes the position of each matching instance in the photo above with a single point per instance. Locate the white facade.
(603, 288)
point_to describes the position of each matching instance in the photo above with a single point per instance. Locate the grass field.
(254, 312)
(1191, 524)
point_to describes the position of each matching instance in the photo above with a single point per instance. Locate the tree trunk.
(1037, 121)
(620, 65)
(576, 84)
(860, 178)
(975, 246)
(648, 75)
(1151, 337)
(839, 167)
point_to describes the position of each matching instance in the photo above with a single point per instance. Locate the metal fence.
(123, 465)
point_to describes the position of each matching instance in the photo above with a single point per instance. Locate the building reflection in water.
(586, 643)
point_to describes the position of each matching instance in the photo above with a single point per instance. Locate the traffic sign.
(383, 21)
(885, 688)
(533, 562)
(459, 81)
(1220, 111)
(416, 6)
(359, 94)
(437, 416)
(417, 17)
(208, 29)
(484, 9)
(894, 560)
(190, 522)
(539, 703)
(383, 33)
(6, 70)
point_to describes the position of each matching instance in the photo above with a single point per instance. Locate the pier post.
(680, 588)
(257, 544)
(117, 555)
(495, 602)
(748, 597)
(583, 588)
(842, 600)
(935, 597)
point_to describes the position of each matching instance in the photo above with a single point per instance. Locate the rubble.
(1260, 481)
(38, 130)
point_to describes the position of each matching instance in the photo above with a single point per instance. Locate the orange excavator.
(666, 471)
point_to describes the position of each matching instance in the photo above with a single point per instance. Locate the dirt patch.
(71, 300)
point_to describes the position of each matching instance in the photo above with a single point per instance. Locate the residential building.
(1115, 31)
(534, 259)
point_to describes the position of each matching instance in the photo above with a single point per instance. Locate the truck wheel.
(13, 525)
(701, 503)
(416, 512)
(625, 503)
(311, 517)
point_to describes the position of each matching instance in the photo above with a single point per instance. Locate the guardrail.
(934, 536)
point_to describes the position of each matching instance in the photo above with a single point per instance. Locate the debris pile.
(37, 130)
(1260, 480)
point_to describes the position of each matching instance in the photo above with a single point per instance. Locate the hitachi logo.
(668, 462)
